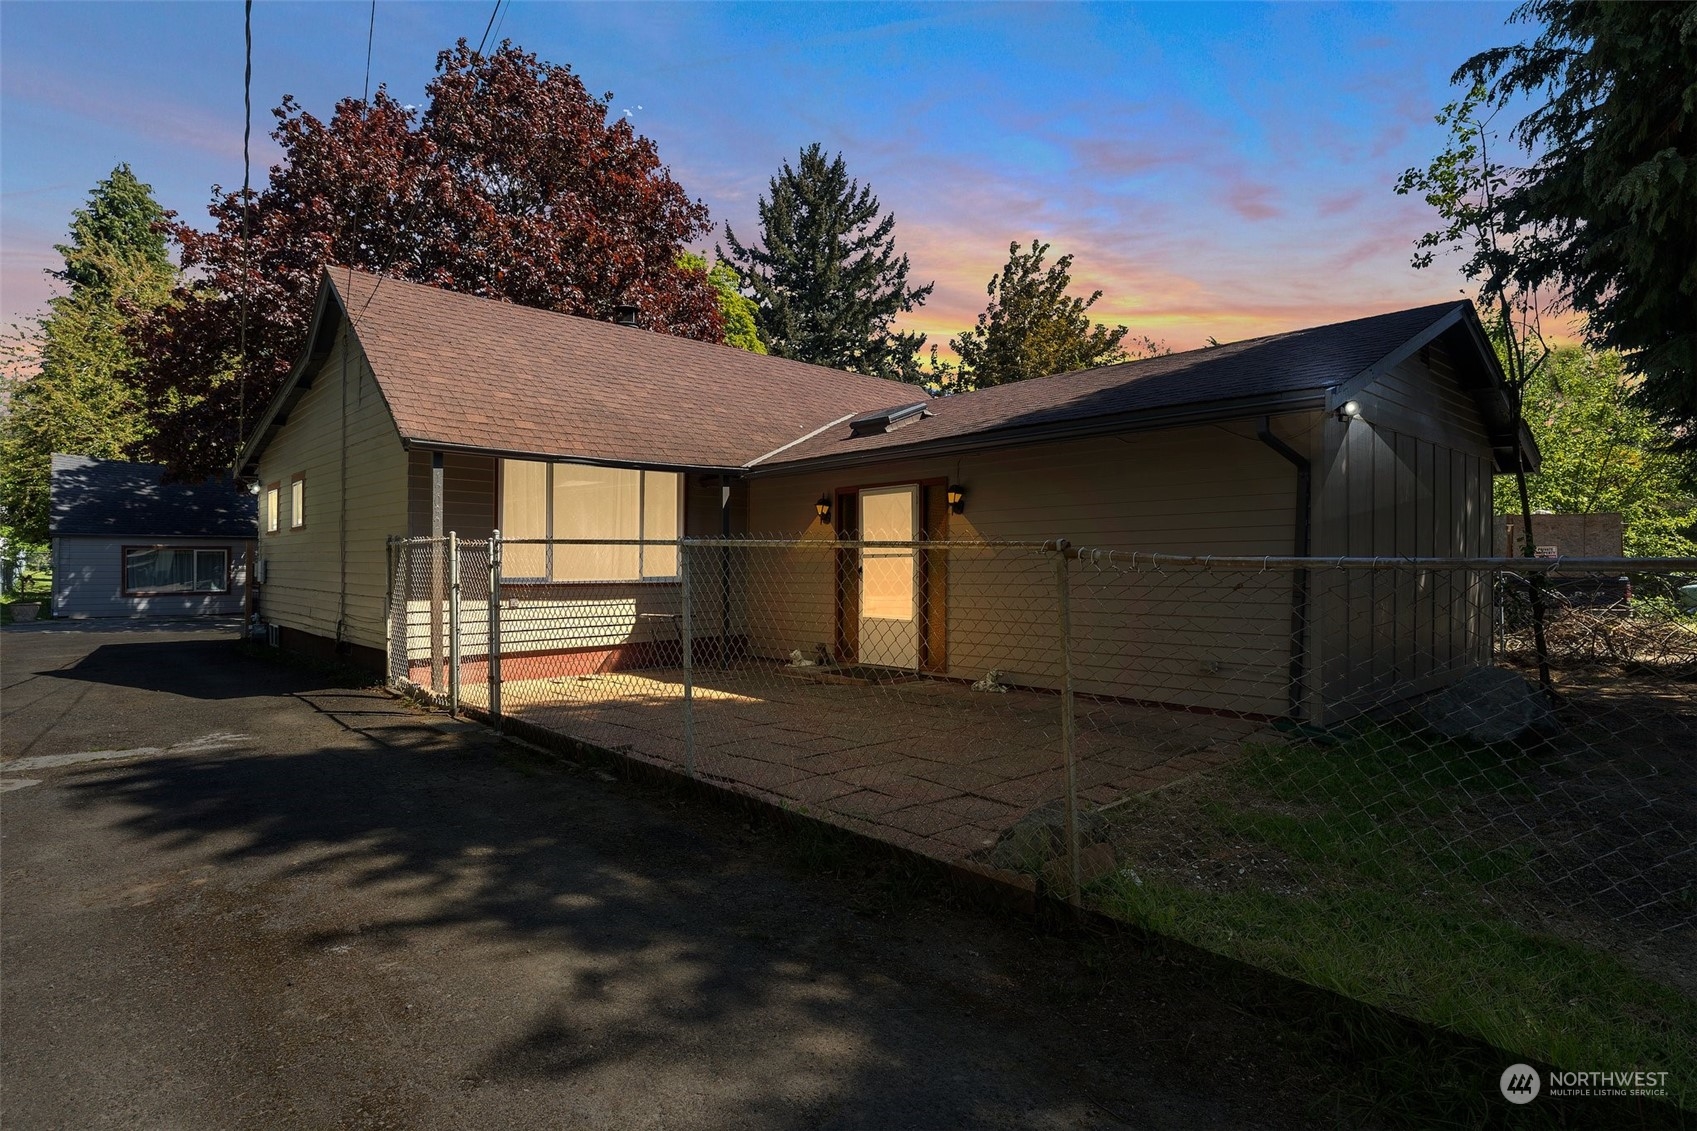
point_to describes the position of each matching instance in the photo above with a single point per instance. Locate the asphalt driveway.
(237, 895)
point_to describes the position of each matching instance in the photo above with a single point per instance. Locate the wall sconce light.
(1348, 411)
(823, 508)
(957, 498)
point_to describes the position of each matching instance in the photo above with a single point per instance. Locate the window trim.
(272, 501)
(674, 578)
(297, 514)
(124, 570)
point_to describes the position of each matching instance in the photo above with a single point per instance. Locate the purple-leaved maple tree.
(512, 183)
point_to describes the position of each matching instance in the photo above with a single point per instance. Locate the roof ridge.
(783, 362)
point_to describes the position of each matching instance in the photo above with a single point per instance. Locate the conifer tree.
(825, 276)
(71, 388)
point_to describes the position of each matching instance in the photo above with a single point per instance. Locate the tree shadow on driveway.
(532, 935)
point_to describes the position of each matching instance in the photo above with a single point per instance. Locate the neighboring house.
(126, 543)
(443, 412)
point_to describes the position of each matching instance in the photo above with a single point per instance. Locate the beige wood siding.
(1175, 638)
(303, 587)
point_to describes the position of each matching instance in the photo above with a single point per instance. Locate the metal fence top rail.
(1141, 559)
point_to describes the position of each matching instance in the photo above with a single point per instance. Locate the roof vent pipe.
(624, 315)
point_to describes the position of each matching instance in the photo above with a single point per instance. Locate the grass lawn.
(38, 591)
(1397, 870)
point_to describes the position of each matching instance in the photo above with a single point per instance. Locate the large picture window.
(159, 570)
(581, 501)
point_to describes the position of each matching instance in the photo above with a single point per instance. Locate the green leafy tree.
(1465, 184)
(69, 387)
(1032, 327)
(735, 308)
(825, 276)
(1608, 210)
(1605, 453)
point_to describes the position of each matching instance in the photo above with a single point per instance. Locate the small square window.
(297, 501)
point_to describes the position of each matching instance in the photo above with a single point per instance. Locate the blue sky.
(1216, 169)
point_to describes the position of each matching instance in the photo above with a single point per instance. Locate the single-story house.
(428, 411)
(127, 543)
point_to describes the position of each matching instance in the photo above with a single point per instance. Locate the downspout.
(1299, 583)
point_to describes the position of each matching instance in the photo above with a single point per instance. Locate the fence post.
(453, 624)
(1069, 722)
(686, 637)
(494, 660)
(391, 559)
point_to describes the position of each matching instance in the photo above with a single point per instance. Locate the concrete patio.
(929, 765)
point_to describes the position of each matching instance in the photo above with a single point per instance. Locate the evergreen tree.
(1608, 209)
(825, 277)
(74, 391)
(1033, 327)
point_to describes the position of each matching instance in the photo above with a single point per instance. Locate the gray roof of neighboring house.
(131, 500)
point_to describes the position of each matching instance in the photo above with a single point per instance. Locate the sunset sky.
(1220, 170)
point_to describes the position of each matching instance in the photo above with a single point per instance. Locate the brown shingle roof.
(467, 372)
(1280, 364)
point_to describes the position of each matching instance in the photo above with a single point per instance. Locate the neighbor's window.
(271, 500)
(580, 501)
(150, 570)
(297, 501)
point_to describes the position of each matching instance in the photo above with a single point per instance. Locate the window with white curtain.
(580, 501)
(176, 569)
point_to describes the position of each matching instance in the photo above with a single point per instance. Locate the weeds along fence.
(1364, 773)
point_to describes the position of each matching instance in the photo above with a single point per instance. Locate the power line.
(247, 180)
(486, 27)
(365, 93)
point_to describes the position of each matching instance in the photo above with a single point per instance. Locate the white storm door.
(889, 579)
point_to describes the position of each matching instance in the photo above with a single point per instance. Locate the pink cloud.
(1252, 201)
(1339, 203)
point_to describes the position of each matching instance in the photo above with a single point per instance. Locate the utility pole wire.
(365, 92)
(247, 175)
(486, 27)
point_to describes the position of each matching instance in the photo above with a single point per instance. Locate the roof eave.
(1214, 412)
(292, 389)
(424, 444)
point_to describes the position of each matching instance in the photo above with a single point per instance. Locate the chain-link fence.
(1466, 790)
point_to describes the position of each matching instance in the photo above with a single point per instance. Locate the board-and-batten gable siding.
(1411, 477)
(88, 579)
(1193, 638)
(303, 567)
